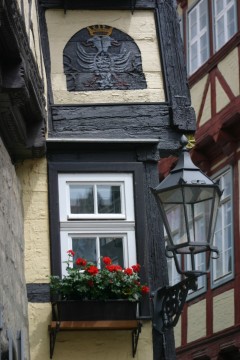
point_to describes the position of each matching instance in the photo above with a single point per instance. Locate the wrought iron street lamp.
(188, 202)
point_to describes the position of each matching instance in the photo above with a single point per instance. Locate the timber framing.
(96, 4)
(155, 122)
(22, 104)
(222, 345)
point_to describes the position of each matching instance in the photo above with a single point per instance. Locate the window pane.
(224, 20)
(219, 6)
(223, 239)
(113, 248)
(227, 213)
(198, 35)
(230, 22)
(109, 199)
(85, 247)
(81, 199)
(226, 184)
(203, 14)
(218, 268)
(193, 23)
(200, 260)
(203, 48)
(173, 276)
(193, 57)
(220, 32)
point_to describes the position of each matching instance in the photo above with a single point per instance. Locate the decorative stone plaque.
(101, 57)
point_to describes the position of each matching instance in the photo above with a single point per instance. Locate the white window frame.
(129, 245)
(123, 180)
(223, 14)
(97, 225)
(215, 282)
(197, 38)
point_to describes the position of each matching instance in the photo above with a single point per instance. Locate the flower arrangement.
(84, 281)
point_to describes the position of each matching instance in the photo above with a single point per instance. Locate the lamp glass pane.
(195, 194)
(199, 215)
(189, 226)
(215, 204)
(176, 223)
(172, 196)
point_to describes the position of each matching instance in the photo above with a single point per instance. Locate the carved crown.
(100, 30)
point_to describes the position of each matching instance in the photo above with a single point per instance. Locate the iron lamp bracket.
(168, 302)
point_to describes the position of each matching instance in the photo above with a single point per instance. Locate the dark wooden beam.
(96, 4)
(174, 69)
(101, 122)
(22, 103)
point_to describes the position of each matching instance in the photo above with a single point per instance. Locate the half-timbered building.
(116, 100)
(209, 326)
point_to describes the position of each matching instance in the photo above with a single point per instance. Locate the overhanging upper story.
(211, 36)
(22, 101)
(115, 72)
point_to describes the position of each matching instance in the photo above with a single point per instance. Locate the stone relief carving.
(100, 57)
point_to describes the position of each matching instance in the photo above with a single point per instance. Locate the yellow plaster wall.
(39, 316)
(196, 321)
(229, 67)
(87, 345)
(140, 26)
(103, 345)
(223, 311)
(33, 178)
(178, 333)
(221, 97)
(197, 95)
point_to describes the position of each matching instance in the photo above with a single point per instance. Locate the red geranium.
(113, 268)
(136, 268)
(128, 271)
(118, 268)
(81, 262)
(92, 270)
(85, 281)
(107, 260)
(71, 253)
(145, 289)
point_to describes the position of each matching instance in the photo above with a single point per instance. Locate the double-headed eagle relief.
(100, 57)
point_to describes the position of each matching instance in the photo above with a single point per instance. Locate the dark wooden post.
(163, 345)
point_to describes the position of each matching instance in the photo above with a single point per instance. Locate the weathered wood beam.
(21, 87)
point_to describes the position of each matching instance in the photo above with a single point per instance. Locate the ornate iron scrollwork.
(168, 303)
